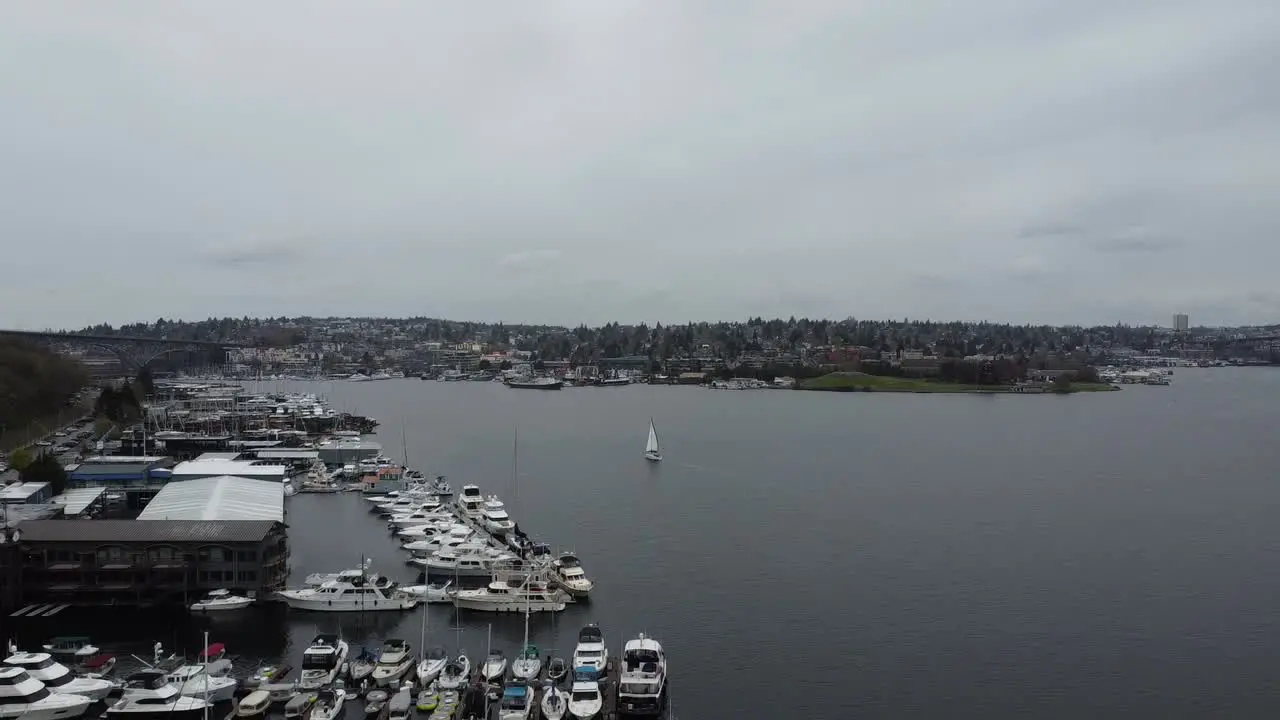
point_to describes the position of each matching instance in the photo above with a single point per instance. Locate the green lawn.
(855, 381)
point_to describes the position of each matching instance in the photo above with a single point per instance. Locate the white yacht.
(322, 662)
(568, 572)
(585, 701)
(455, 674)
(430, 532)
(517, 701)
(318, 579)
(590, 652)
(433, 661)
(420, 516)
(494, 666)
(344, 596)
(394, 663)
(76, 645)
(505, 596)
(22, 696)
(57, 678)
(193, 681)
(328, 705)
(642, 682)
(221, 599)
(493, 514)
(149, 696)
(470, 501)
(466, 562)
(433, 593)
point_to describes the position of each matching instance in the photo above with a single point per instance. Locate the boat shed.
(26, 494)
(291, 455)
(78, 501)
(218, 498)
(219, 466)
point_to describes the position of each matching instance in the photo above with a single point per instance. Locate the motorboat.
(347, 596)
(467, 562)
(495, 666)
(590, 652)
(517, 701)
(642, 680)
(254, 705)
(221, 599)
(568, 573)
(299, 707)
(440, 486)
(194, 681)
(322, 661)
(456, 672)
(493, 515)
(436, 531)
(536, 383)
(265, 675)
(433, 661)
(528, 664)
(318, 579)
(23, 696)
(400, 706)
(148, 695)
(500, 595)
(554, 705)
(328, 705)
(74, 645)
(470, 501)
(377, 702)
(585, 700)
(557, 670)
(394, 663)
(651, 451)
(421, 516)
(57, 678)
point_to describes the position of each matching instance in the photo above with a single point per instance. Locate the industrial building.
(136, 478)
(21, 493)
(211, 465)
(194, 536)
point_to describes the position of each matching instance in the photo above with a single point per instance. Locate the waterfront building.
(210, 465)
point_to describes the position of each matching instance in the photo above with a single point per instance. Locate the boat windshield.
(317, 661)
(585, 695)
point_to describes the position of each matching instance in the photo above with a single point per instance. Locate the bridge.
(134, 353)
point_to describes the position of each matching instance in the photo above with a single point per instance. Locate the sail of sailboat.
(651, 450)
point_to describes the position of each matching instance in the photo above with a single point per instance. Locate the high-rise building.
(1181, 323)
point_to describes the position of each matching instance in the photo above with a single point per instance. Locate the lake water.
(810, 555)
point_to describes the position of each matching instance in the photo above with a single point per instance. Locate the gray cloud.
(685, 160)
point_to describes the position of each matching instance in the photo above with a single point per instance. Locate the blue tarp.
(515, 691)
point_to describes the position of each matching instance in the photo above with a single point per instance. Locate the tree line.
(35, 382)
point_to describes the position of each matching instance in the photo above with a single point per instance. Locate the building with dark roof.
(147, 562)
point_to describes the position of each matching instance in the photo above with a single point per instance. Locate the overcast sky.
(1087, 161)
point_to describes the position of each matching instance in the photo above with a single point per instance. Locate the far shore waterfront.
(862, 382)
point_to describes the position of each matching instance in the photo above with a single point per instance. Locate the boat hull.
(386, 676)
(221, 606)
(372, 605)
(513, 606)
(653, 456)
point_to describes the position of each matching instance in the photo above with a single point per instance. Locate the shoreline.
(859, 382)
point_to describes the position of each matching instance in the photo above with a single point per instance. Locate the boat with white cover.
(395, 661)
(590, 651)
(432, 531)
(433, 593)
(502, 596)
(568, 572)
(58, 678)
(344, 596)
(494, 517)
(22, 696)
(149, 696)
(221, 599)
(642, 680)
(421, 516)
(322, 661)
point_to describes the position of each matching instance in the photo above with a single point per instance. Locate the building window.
(161, 554)
(215, 554)
(248, 576)
(112, 554)
(247, 556)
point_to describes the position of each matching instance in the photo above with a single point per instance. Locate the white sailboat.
(651, 451)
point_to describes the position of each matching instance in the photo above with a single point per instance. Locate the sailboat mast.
(206, 675)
